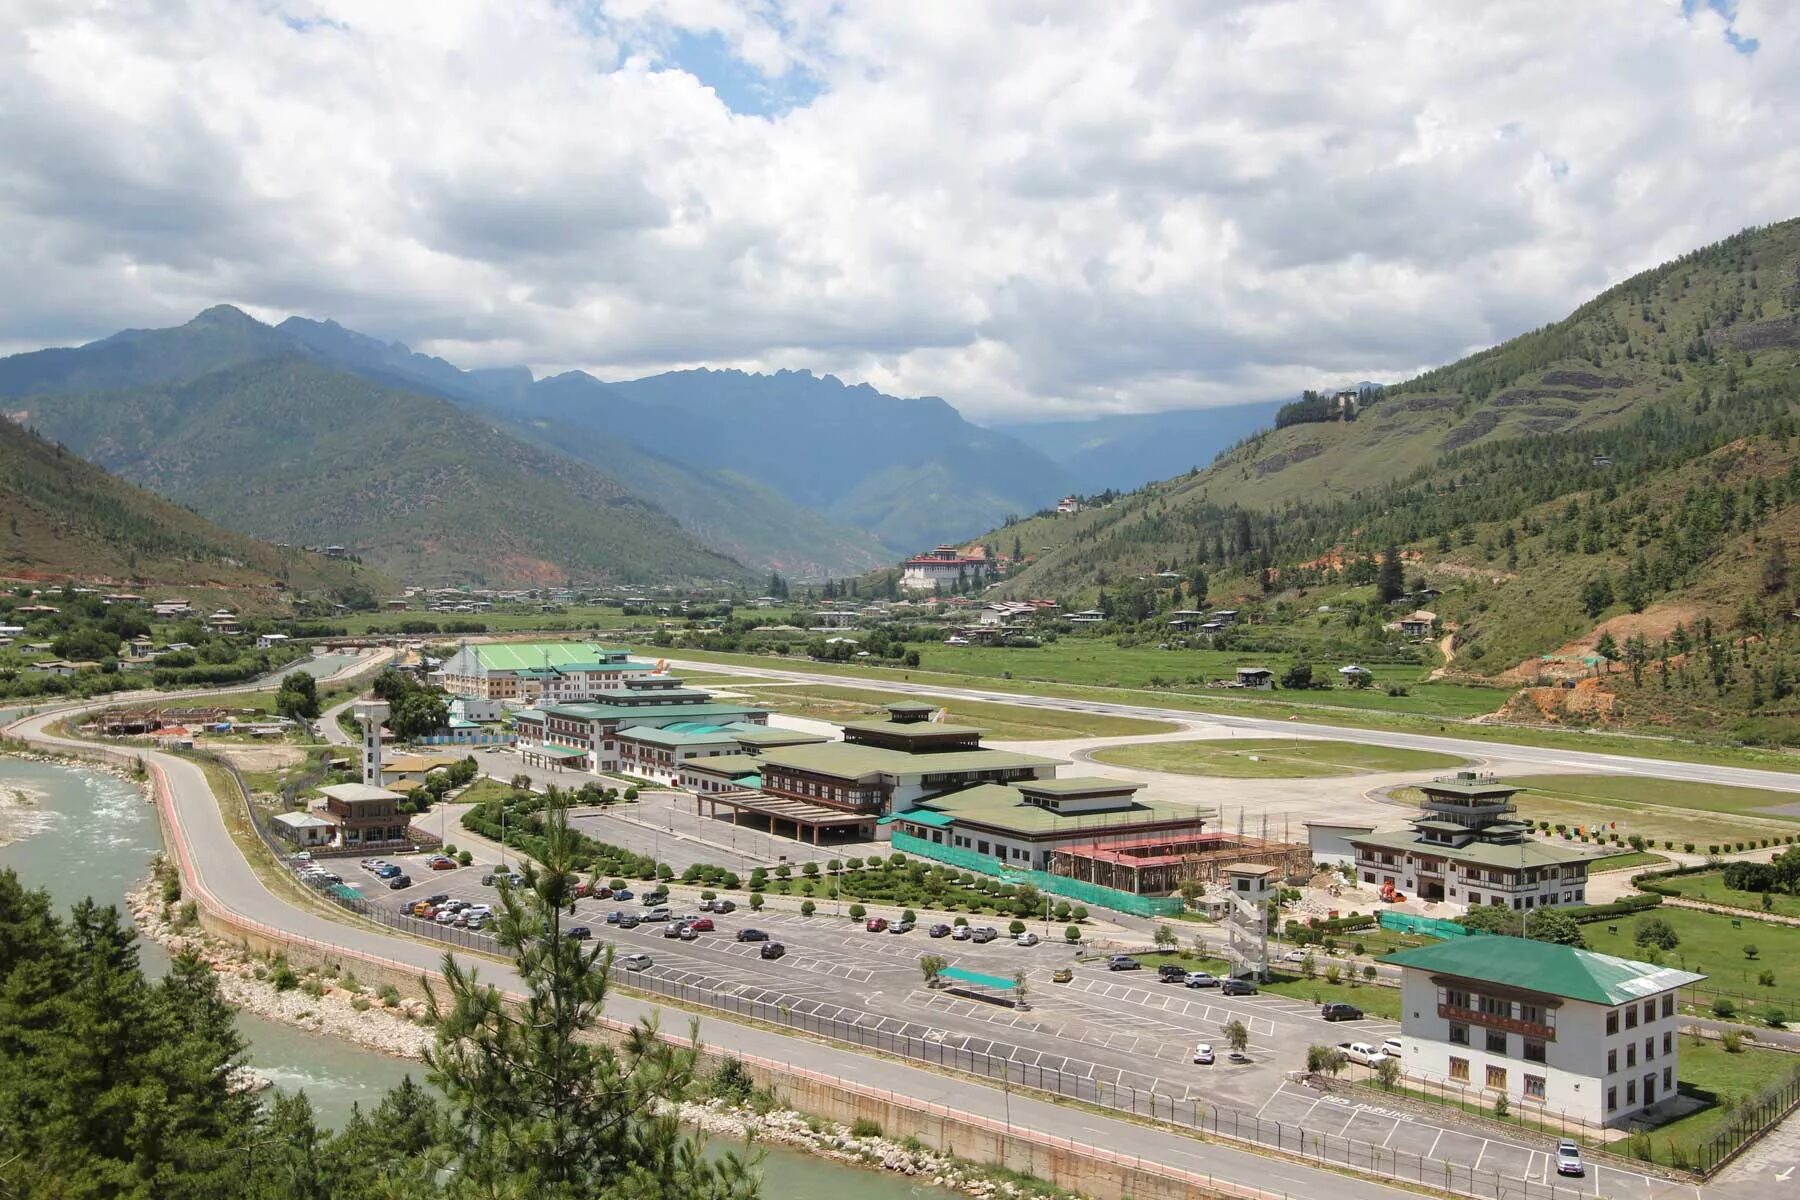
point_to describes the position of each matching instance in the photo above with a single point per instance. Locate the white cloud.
(1030, 209)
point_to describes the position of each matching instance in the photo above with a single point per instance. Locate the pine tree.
(538, 1107)
(1390, 581)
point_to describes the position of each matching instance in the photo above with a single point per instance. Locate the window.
(1631, 1092)
(1612, 1021)
(1631, 1017)
(1368, 877)
(1534, 1087)
(1612, 1099)
(1668, 1003)
(1649, 1011)
(1668, 1044)
(1459, 1069)
(1649, 1049)
(1493, 1006)
(1612, 1061)
(1496, 1078)
(1496, 1042)
(1459, 1034)
(1533, 1013)
(1631, 1055)
(1534, 1050)
(1474, 897)
(1668, 1079)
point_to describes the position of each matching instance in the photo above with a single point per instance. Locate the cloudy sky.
(1034, 209)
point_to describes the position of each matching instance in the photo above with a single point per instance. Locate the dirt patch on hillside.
(1653, 624)
(1286, 458)
(1589, 702)
(1584, 379)
(256, 758)
(1477, 426)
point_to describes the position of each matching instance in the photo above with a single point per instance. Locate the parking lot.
(1116, 1034)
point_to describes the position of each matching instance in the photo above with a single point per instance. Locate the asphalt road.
(216, 868)
(1536, 756)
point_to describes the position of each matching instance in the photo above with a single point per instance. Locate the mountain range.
(1623, 471)
(310, 432)
(1127, 450)
(68, 520)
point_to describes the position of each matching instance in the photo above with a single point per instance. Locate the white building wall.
(1588, 1074)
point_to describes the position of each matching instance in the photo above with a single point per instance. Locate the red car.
(876, 924)
(701, 925)
(443, 863)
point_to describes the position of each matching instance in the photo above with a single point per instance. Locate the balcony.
(1471, 1016)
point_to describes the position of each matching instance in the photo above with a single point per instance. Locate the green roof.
(560, 751)
(911, 730)
(674, 735)
(729, 765)
(1519, 855)
(1470, 788)
(845, 761)
(921, 816)
(520, 656)
(582, 711)
(999, 806)
(1080, 785)
(1544, 967)
(765, 735)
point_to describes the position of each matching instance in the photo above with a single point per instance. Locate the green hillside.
(1624, 471)
(68, 520)
(293, 451)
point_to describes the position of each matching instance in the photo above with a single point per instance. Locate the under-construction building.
(1158, 866)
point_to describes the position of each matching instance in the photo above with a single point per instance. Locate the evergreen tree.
(1390, 582)
(537, 1106)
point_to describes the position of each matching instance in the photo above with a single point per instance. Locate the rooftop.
(519, 656)
(1544, 967)
(845, 761)
(1515, 855)
(1000, 806)
(350, 793)
(582, 711)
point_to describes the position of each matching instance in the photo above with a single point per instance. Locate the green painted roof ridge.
(1569, 971)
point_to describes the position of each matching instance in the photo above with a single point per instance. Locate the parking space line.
(1432, 1153)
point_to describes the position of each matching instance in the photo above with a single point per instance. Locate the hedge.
(1618, 908)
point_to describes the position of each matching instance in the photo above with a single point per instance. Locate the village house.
(1261, 678)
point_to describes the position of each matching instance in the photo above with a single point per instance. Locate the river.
(95, 837)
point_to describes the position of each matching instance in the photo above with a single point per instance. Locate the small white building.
(305, 828)
(1555, 1029)
(268, 641)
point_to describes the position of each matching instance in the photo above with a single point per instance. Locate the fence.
(1056, 885)
(1436, 927)
(1748, 1120)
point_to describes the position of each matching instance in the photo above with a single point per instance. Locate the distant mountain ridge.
(1125, 451)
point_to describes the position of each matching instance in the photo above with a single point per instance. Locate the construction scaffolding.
(1160, 865)
(1251, 888)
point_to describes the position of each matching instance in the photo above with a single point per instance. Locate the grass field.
(1711, 888)
(1285, 705)
(1659, 809)
(1707, 1068)
(1630, 861)
(1003, 722)
(1711, 945)
(1272, 758)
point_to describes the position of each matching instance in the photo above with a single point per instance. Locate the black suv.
(1172, 973)
(752, 935)
(1337, 1010)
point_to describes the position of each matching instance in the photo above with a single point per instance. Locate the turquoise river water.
(88, 834)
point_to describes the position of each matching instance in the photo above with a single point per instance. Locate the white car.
(1392, 1048)
(1568, 1158)
(1203, 1054)
(1294, 956)
(1026, 939)
(1361, 1052)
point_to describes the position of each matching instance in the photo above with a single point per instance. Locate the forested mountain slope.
(291, 450)
(1634, 463)
(66, 519)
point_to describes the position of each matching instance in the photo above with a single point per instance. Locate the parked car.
(1392, 1047)
(1201, 979)
(701, 925)
(659, 913)
(674, 929)
(400, 881)
(901, 927)
(629, 921)
(443, 862)
(655, 899)
(635, 962)
(752, 935)
(1203, 1055)
(961, 933)
(600, 892)
(772, 950)
(939, 930)
(387, 871)
(581, 933)
(445, 915)
(875, 924)
(1568, 1158)
(1123, 962)
(623, 894)
(724, 906)
(1337, 1010)
(438, 898)
(986, 933)
(686, 932)
(1294, 956)
(1362, 1053)
(614, 917)
(1027, 939)
(1171, 973)
(1236, 987)
(1062, 975)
